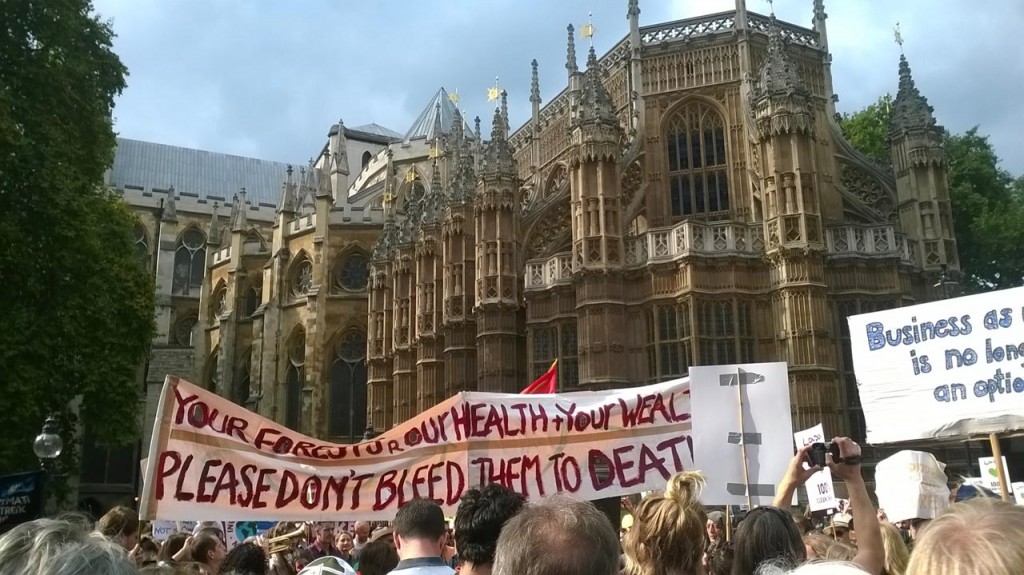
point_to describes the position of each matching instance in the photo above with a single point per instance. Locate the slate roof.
(423, 127)
(377, 130)
(204, 174)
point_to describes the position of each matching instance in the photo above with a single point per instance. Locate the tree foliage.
(76, 306)
(987, 201)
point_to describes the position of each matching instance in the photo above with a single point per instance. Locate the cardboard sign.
(1018, 492)
(821, 494)
(21, 498)
(957, 365)
(210, 458)
(911, 485)
(717, 393)
(990, 475)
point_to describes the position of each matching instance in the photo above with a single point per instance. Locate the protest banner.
(957, 365)
(210, 458)
(743, 457)
(21, 498)
(911, 485)
(821, 494)
(990, 474)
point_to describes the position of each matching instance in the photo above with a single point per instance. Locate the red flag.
(547, 383)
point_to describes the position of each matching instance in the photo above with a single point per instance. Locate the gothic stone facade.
(688, 199)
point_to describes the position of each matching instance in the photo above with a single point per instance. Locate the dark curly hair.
(246, 559)
(478, 522)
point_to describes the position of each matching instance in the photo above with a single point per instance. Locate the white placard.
(990, 475)
(767, 429)
(821, 494)
(164, 529)
(952, 368)
(1018, 492)
(911, 485)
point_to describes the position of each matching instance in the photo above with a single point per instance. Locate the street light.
(48, 444)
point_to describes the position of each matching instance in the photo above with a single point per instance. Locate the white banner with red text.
(210, 458)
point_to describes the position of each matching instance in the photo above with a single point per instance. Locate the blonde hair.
(840, 551)
(977, 537)
(896, 553)
(669, 530)
(818, 545)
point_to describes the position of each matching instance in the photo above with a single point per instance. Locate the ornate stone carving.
(632, 180)
(868, 190)
(552, 227)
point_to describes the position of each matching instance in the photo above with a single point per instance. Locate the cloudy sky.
(266, 78)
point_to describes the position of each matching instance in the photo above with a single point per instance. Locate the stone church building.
(687, 199)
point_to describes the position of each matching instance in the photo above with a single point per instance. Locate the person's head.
(302, 558)
(914, 526)
(716, 526)
(560, 536)
(803, 522)
(419, 529)
(981, 536)
(362, 531)
(378, 558)
(149, 552)
(325, 534)
(766, 533)
(839, 527)
(827, 568)
(245, 559)
(896, 553)
(208, 548)
(669, 530)
(816, 545)
(171, 546)
(122, 525)
(60, 547)
(720, 559)
(478, 522)
(840, 551)
(344, 541)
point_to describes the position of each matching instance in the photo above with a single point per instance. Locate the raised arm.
(796, 476)
(870, 552)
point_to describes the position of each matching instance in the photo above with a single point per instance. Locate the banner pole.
(728, 524)
(997, 455)
(743, 443)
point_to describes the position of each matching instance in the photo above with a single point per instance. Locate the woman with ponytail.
(669, 531)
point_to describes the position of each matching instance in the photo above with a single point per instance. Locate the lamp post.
(47, 447)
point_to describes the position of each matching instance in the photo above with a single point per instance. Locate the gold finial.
(454, 97)
(494, 93)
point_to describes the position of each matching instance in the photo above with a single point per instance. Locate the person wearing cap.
(716, 528)
(840, 526)
(420, 534)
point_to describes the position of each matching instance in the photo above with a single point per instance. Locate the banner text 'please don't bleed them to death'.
(212, 459)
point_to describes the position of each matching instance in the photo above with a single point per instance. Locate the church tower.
(922, 187)
(380, 324)
(596, 143)
(499, 312)
(784, 116)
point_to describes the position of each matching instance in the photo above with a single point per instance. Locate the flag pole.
(743, 441)
(997, 455)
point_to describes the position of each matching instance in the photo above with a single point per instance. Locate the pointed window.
(142, 245)
(366, 159)
(252, 294)
(213, 370)
(347, 398)
(189, 263)
(294, 380)
(697, 165)
(183, 327)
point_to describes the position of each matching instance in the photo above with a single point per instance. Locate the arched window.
(366, 159)
(294, 379)
(252, 294)
(253, 241)
(354, 272)
(183, 328)
(212, 370)
(698, 184)
(301, 278)
(219, 302)
(240, 394)
(189, 263)
(348, 387)
(142, 245)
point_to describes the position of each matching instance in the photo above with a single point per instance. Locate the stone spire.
(570, 59)
(287, 205)
(595, 102)
(389, 234)
(819, 10)
(170, 211)
(910, 110)
(778, 75)
(633, 11)
(534, 84)
(498, 155)
(410, 224)
(476, 128)
(461, 175)
(240, 219)
(213, 237)
(311, 182)
(233, 215)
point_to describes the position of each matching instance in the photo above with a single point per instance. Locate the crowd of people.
(496, 532)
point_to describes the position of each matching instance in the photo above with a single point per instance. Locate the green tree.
(76, 306)
(987, 201)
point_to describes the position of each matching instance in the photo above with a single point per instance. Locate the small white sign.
(911, 485)
(946, 369)
(990, 475)
(164, 529)
(821, 493)
(1018, 492)
(720, 439)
